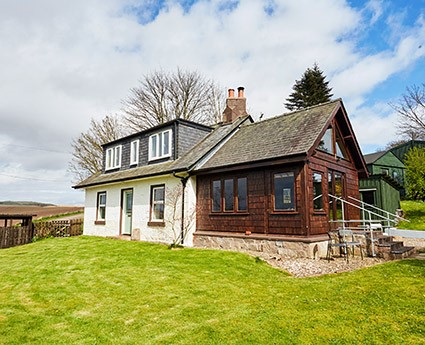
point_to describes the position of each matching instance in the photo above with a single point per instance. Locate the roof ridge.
(296, 111)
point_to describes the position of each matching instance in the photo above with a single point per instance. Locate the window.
(340, 148)
(327, 143)
(385, 171)
(157, 203)
(284, 186)
(368, 196)
(113, 157)
(216, 196)
(230, 195)
(101, 206)
(242, 194)
(317, 192)
(160, 145)
(134, 152)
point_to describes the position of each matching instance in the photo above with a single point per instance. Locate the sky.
(63, 63)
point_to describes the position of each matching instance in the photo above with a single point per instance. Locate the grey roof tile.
(183, 163)
(285, 135)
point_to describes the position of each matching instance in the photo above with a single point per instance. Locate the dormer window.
(160, 145)
(113, 157)
(134, 152)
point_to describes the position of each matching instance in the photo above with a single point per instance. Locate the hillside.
(24, 203)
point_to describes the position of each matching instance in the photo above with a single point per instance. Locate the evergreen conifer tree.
(310, 90)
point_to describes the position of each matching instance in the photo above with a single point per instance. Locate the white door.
(127, 211)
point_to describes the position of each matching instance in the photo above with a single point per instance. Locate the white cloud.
(65, 62)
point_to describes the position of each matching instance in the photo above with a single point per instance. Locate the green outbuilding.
(385, 182)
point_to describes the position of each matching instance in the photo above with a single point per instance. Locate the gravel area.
(308, 267)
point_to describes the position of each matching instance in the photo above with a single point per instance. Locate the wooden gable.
(337, 139)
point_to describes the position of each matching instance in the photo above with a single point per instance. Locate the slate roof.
(181, 164)
(286, 135)
(371, 158)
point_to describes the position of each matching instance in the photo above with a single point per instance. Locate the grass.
(415, 212)
(87, 290)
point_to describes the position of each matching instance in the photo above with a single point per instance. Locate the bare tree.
(180, 224)
(411, 111)
(163, 96)
(87, 155)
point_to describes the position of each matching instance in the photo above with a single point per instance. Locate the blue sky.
(64, 63)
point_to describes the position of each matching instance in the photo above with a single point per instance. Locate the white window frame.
(113, 157)
(134, 152)
(157, 202)
(100, 206)
(159, 149)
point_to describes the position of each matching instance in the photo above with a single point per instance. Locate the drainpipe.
(184, 182)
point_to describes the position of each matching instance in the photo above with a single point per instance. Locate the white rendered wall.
(141, 209)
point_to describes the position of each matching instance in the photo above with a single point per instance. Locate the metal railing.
(367, 222)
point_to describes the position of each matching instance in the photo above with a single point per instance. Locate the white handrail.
(379, 209)
(370, 221)
(361, 208)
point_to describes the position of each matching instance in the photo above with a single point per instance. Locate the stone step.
(402, 252)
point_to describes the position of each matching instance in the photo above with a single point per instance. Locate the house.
(146, 191)
(267, 188)
(385, 163)
(385, 182)
(245, 186)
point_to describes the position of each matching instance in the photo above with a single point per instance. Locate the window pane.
(242, 194)
(109, 158)
(284, 191)
(160, 151)
(102, 199)
(154, 139)
(158, 211)
(216, 194)
(228, 195)
(166, 143)
(134, 152)
(317, 191)
(158, 194)
(117, 156)
(326, 142)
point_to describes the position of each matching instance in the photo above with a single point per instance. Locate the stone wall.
(288, 249)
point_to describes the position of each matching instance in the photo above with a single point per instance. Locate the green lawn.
(415, 212)
(85, 290)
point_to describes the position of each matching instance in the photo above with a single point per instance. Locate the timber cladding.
(261, 218)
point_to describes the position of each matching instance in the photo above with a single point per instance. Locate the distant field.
(39, 211)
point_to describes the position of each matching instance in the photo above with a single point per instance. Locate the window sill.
(319, 213)
(153, 159)
(229, 214)
(280, 213)
(157, 223)
(99, 222)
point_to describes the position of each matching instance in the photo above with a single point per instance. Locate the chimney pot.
(241, 92)
(231, 93)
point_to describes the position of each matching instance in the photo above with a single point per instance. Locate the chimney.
(235, 106)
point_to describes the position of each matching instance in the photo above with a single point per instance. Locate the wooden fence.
(58, 228)
(17, 235)
(12, 236)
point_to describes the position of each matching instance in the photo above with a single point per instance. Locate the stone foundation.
(289, 248)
